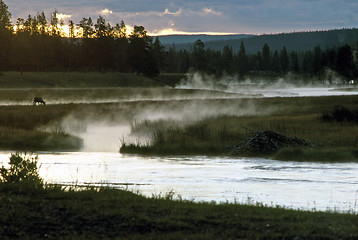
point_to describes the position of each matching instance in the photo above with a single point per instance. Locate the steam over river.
(297, 185)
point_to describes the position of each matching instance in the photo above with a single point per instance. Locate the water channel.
(297, 185)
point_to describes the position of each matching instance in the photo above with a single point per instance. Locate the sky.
(199, 16)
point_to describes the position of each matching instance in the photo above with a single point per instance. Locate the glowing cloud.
(106, 12)
(210, 11)
(62, 16)
(172, 31)
(177, 13)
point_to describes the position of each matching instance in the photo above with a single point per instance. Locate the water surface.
(296, 185)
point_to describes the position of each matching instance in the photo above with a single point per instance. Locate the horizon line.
(177, 33)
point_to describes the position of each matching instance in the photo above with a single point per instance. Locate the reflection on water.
(291, 184)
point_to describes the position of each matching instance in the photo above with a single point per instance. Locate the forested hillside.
(298, 41)
(316, 61)
(168, 40)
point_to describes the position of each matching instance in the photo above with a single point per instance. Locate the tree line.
(37, 43)
(314, 62)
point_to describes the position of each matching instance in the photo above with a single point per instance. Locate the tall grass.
(19, 128)
(299, 117)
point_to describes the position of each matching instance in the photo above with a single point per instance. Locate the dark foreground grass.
(114, 214)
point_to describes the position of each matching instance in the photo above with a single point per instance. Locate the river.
(295, 185)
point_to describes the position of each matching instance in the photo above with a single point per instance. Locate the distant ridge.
(184, 39)
(296, 41)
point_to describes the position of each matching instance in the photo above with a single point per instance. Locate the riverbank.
(111, 214)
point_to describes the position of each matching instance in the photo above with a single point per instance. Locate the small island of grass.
(331, 138)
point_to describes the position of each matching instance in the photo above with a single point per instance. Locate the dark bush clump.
(340, 114)
(23, 172)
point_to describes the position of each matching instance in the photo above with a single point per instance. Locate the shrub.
(23, 171)
(341, 114)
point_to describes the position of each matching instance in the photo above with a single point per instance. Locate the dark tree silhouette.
(5, 35)
(294, 62)
(275, 63)
(266, 58)
(317, 61)
(199, 59)
(284, 60)
(344, 61)
(228, 59)
(242, 61)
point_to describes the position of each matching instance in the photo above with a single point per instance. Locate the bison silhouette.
(38, 100)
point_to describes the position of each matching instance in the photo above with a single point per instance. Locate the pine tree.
(266, 57)
(284, 60)
(227, 59)
(344, 62)
(242, 61)
(199, 59)
(5, 35)
(294, 62)
(5, 17)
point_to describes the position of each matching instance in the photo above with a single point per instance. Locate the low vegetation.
(19, 128)
(341, 114)
(32, 209)
(295, 117)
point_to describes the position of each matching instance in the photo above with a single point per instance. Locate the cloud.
(244, 16)
(210, 11)
(177, 13)
(106, 12)
(62, 16)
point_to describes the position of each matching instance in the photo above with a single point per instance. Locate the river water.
(296, 185)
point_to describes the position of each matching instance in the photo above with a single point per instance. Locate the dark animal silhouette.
(38, 100)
